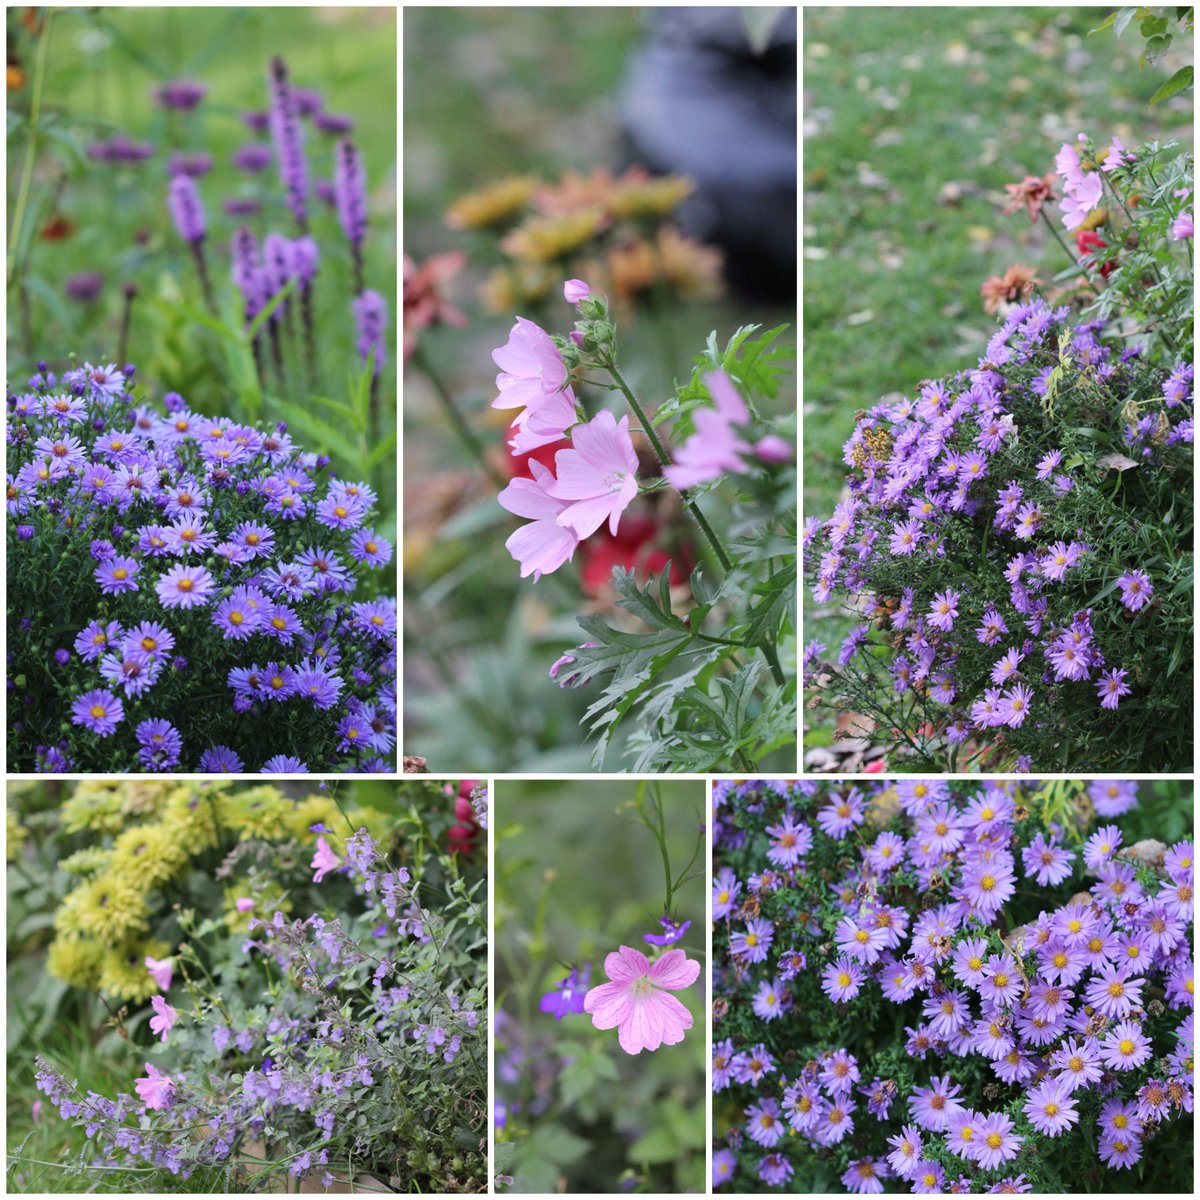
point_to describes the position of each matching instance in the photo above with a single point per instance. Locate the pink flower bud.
(773, 449)
(575, 291)
(577, 338)
(243, 904)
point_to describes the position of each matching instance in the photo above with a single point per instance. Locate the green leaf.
(1181, 80)
(777, 599)
(269, 308)
(657, 1146)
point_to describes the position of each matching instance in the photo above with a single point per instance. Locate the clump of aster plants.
(1015, 548)
(704, 673)
(187, 592)
(941, 986)
(328, 1027)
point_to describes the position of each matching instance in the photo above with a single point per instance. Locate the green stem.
(1066, 249)
(35, 115)
(723, 558)
(459, 423)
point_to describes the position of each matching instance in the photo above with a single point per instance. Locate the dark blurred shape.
(85, 288)
(703, 101)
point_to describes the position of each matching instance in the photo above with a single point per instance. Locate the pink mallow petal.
(674, 970)
(726, 397)
(609, 1004)
(626, 964)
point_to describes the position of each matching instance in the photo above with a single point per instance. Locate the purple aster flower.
(774, 1170)
(1111, 686)
(842, 980)
(98, 711)
(770, 1000)
(1046, 862)
(753, 1065)
(185, 586)
(724, 1164)
(96, 639)
(117, 575)
(284, 764)
(725, 892)
(754, 942)
(1113, 992)
(842, 814)
(1051, 1108)
(864, 1176)
(220, 760)
(1078, 1063)
(370, 548)
(1124, 1047)
(160, 744)
(764, 1124)
(1136, 590)
(934, 1106)
(943, 610)
(1120, 1152)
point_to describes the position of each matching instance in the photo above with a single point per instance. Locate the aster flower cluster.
(187, 592)
(367, 1061)
(1013, 556)
(1036, 959)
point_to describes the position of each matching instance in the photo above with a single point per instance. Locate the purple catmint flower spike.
(187, 213)
(350, 198)
(287, 136)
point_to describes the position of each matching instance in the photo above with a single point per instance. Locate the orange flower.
(692, 269)
(1017, 283)
(1031, 193)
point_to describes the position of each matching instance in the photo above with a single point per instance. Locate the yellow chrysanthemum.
(515, 287)
(145, 797)
(111, 908)
(545, 239)
(309, 812)
(192, 815)
(17, 833)
(638, 197)
(491, 205)
(75, 960)
(123, 973)
(95, 805)
(148, 855)
(257, 812)
(91, 860)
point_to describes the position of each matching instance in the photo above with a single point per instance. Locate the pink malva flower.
(164, 1017)
(714, 447)
(1183, 227)
(324, 860)
(160, 972)
(533, 377)
(635, 1002)
(157, 1089)
(243, 904)
(543, 545)
(774, 449)
(598, 475)
(575, 291)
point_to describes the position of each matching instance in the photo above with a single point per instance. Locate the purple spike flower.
(186, 209)
(306, 255)
(247, 271)
(350, 192)
(287, 135)
(180, 94)
(371, 317)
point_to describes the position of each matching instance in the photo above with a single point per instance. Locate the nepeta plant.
(187, 592)
(1015, 549)
(949, 987)
(706, 679)
(347, 1044)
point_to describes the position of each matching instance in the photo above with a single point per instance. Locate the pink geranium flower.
(598, 475)
(164, 1017)
(533, 377)
(637, 1001)
(714, 448)
(543, 545)
(160, 972)
(157, 1089)
(324, 860)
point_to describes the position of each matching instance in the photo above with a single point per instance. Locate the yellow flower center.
(1126, 1046)
(98, 710)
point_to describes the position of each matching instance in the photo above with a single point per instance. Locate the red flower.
(1088, 240)
(633, 547)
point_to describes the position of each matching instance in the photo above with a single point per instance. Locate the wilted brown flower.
(1017, 283)
(424, 304)
(1031, 193)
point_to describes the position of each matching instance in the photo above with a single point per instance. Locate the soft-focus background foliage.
(491, 94)
(575, 879)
